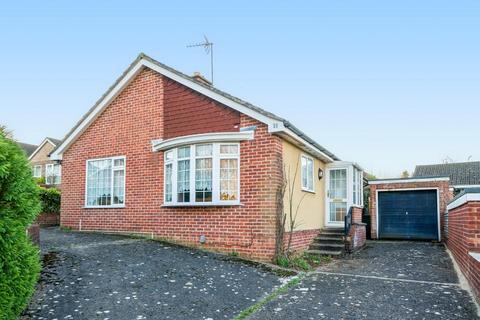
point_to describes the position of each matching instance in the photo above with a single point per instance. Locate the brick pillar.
(357, 214)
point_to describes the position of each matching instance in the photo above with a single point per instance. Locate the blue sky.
(386, 84)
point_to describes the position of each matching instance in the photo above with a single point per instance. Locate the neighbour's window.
(307, 173)
(202, 174)
(53, 173)
(37, 171)
(105, 182)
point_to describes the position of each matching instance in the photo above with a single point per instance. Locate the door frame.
(328, 223)
(439, 234)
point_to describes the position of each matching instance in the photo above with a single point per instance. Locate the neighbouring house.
(463, 175)
(43, 165)
(173, 157)
(28, 148)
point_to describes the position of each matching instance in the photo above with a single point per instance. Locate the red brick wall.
(357, 214)
(300, 239)
(464, 237)
(127, 127)
(48, 219)
(188, 112)
(445, 195)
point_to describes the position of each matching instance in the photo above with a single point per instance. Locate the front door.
(336, 197)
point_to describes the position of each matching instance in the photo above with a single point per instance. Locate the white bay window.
(202, 174)
(105, 185)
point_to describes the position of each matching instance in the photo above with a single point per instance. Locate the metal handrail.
(348, 221)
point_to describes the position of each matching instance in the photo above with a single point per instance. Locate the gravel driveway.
(394, 280)
(95, 276)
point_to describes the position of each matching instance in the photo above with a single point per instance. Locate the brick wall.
(357, 235)
(180, 101)
(445, 195)
(300, 239)
(126, 128)
(464, 237)
(48, 219)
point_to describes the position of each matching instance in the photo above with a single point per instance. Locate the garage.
(408, 214)
(409, 208)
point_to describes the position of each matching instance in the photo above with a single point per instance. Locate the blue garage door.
(408, 214)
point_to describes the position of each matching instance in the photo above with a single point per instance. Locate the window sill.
(104, 207)
(309, 191)
(173, 205)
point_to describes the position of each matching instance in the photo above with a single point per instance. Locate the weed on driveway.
(95, 276)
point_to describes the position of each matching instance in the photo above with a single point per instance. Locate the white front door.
(336, 196)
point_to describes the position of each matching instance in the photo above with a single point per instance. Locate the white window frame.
(122, 205)
(35, 168)
(216, 157)
(52, 165)
(306, 188)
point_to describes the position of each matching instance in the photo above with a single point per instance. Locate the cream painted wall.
(311, 214)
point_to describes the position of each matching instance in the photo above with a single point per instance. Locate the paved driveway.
(394, 280)
(93, 276)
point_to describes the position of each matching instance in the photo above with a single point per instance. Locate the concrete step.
(327, 246)
(331, 231)
(328, 239)
(325, 253)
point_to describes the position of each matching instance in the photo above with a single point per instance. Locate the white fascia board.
(40, 147)
(158, 145)
(57, 155)
(468, 197)
(466, 186)
(341, 164)
(408, 180)
(303, 143)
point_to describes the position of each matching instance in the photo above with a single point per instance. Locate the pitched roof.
(143, 60)
(56, 142)
(460, 173)
(28, 148)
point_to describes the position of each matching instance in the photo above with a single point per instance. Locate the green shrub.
(19, 205)
(39, 180)
(50, 199)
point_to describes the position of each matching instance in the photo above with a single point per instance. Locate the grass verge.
(257, 306)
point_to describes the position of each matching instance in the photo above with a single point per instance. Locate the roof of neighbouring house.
(28, 148)
(55, 141)
(180, 75)
(460, 173)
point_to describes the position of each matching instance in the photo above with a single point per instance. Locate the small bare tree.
(290, 212)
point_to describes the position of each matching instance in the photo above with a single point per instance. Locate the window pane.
(203, 150)
(229, 149)
(184, 152)
(203, 180)
(118, 183)
(118, 162)
(99, 182)
(169, 155)
(310, 174)
(168, 183)
(183, 179)
(229, 179)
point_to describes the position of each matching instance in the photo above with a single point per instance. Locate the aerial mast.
(208, 46)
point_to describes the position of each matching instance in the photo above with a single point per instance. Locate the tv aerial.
(208, 46)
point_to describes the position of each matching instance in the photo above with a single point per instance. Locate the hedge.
(50, 199)
(19, 205)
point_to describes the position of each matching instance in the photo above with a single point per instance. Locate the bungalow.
(171, 156)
